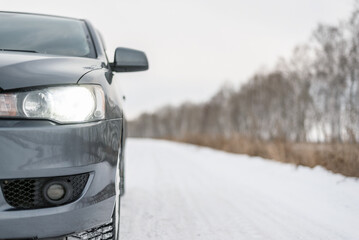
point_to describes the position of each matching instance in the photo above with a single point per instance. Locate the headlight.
(68, 104)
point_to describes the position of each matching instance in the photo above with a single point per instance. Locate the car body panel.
(53, 150)
(23, 70)
(56, 222)
(42, 148)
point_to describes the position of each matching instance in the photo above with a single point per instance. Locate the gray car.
(62, 129)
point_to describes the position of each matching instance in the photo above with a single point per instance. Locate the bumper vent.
(29, 193)
(104, 232)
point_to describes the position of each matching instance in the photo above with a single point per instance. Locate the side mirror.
(129, 60)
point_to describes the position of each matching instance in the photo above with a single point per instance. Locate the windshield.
(45, 34)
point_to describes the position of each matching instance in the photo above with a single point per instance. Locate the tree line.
(311, 96)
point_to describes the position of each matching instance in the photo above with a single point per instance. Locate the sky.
(194, 46)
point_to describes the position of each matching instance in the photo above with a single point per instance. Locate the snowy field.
(178, 191)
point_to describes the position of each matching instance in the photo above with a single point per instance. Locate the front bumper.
(34, 149)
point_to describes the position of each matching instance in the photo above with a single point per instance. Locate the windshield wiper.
(17, 50)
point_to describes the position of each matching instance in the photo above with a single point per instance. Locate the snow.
(180, 191)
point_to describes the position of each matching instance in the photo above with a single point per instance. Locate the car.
(62, 128)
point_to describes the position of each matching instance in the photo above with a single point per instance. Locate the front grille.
(104, 232)
(28, 193)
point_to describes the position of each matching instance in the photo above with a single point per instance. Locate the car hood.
(21, 70)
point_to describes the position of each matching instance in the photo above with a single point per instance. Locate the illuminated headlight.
(67, 104)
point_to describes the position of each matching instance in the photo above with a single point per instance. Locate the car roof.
(41, 14)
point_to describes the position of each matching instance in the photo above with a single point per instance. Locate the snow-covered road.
(178, 191)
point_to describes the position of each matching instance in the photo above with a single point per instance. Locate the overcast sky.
(194, 46)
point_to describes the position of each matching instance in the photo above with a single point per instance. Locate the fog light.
(56, 192)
